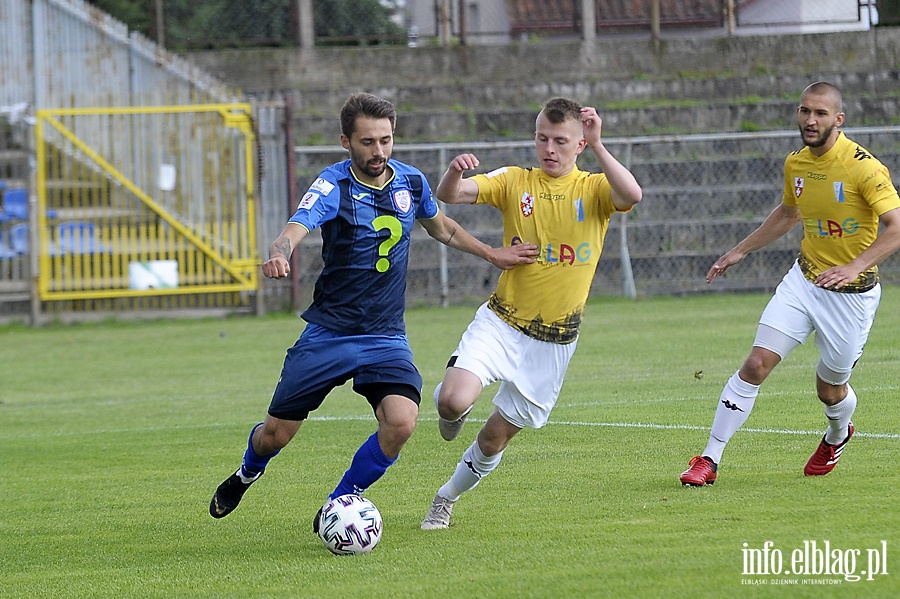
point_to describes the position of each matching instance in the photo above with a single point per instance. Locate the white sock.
(247, 479)
(734, 408)
(839, 418)
(473, 466)
(437, 391)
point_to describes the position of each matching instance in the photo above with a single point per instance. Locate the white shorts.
(842, 321)
(531, 371)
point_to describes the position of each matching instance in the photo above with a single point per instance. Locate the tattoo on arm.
(452, 233)
(282, 247)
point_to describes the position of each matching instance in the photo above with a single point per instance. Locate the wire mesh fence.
(217, 23)
(702, 194)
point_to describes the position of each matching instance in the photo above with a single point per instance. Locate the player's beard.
(822, 139)
(373, 170)
(370, 168)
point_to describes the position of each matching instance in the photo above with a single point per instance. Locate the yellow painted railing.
(146, 201)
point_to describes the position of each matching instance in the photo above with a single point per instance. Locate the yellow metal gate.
(146, 202)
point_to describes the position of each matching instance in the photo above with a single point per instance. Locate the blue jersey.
(365, 246)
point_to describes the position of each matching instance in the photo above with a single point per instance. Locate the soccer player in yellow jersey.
(526, 333)
(840, 192)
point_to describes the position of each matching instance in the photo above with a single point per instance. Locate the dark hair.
(558, 110)
(367, 105)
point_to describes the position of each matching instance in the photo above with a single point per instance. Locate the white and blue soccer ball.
(350, 525)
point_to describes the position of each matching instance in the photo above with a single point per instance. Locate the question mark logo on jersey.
(396, 228)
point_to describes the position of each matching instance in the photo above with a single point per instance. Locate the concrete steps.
(700, 197)
(628, 107)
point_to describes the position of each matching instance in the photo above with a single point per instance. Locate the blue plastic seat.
(6, 252)
(15, 203)
(77, 237)
(20, 239)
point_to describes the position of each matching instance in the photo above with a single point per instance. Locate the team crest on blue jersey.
(402, 200)
(798, 186)
(527, 204)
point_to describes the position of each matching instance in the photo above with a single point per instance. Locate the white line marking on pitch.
(687, 427)
(646, 425)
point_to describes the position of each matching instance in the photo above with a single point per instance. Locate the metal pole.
(729, 9)
(443, 268)
(34, 220)
(292, 198)
(628, 287)
(588, 20)
(160, 24)
(306, 29)
(654, 23)
(443, 17)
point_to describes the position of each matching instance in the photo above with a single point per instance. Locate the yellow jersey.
(567, 218)
(840, 196)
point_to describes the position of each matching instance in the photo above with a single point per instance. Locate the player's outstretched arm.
(777, 224)
(278, 266)
(449, 232)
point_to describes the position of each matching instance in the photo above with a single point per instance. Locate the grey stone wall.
(493, 92)
(258, 70)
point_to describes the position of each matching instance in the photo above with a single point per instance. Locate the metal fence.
(183, 24)
(172, 214)
(702, 194)
(68, 55)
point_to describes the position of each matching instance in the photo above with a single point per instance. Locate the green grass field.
(113, 437)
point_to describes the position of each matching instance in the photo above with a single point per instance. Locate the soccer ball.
(350, 525)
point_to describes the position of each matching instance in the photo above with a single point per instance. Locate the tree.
(357, 18)
(217, 23)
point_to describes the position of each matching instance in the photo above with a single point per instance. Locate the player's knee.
(832, 377)
(757, 367)
(403, 429)
(393, 435)
(396, 425)
(450, 407)
(831, 384)
(454, 400)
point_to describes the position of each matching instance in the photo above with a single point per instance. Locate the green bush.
(888, 13)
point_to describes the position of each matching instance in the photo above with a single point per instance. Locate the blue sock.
(368, 465)
(254, 464)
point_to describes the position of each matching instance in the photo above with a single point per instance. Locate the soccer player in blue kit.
(355, 327)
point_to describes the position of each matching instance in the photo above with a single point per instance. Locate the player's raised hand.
(464, 162)
(591, 123)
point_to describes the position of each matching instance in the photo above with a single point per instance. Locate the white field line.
(712, 398)
(686, 427)
(746, 429)
(623, 425)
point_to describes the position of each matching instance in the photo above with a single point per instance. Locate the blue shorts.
(323, 359)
